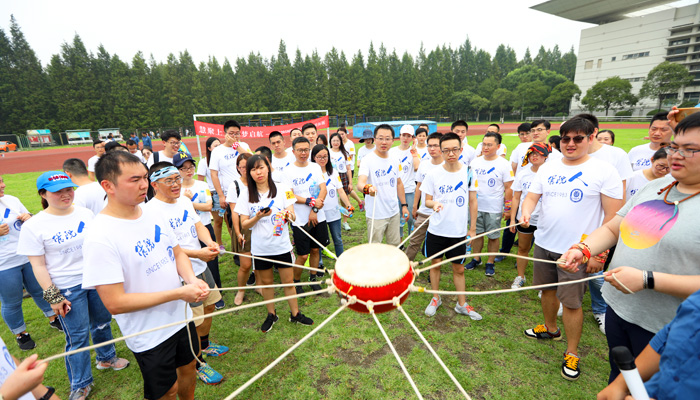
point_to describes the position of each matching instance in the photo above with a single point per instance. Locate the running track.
(52, 159)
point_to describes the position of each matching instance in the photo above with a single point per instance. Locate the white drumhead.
(372, 265)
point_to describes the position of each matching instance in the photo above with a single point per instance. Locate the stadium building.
(630, 38)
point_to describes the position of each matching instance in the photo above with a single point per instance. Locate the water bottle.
(344, 211)
(469, 245)
(4, 238)
(314, 190)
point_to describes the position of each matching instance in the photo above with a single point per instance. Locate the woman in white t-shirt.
(331, 205)
(339, 160)
(203, 173)
(659, 169)
(240, 242)
(536, 155)
(53, 242)
(264, 208)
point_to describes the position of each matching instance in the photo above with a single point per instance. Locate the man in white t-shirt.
(461, 127)
(659, 135)
(494, 178)
(99, 147)
(88, 194)
(281, 158)
(308, 130)
(420, 211)
(409, 161)
(172, 142)
(451, 194)
(578, 193)
(223, 163)
(189, 230)
(379, 179)
(134, 261)
(133, 148)
(421, 143)
(293, 134)
(306, 181)
(502, 149)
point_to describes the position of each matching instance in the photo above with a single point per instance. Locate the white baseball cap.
(408, 129)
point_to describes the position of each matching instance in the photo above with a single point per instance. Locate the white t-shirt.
(338, 161)
(640, 156)
(7, 367)
(407, 172)
(424, 168)
(518, 155)
(502, 150)
(280, 164)
(200, 194)
(139, 254)
(182, 218)
(363, 152)
(423, 154)
(571, 201)
(10, 209)
(468, 153)
(350, 147)
(203, 170)
(161, 157)
(91, 196)
(224, 161)
(383, 174)
(331, 202)
(91, 163)
(491, 177)
(635, 183)
(139, 155)
(302, 180)
(452, 190)
(263, 241)
(231, 193)
(522, 184)
(617, 158)
(59, 238)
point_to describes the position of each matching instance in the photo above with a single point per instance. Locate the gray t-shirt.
(652, 238)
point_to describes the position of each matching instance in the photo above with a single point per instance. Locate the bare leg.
(267, 278)
(524, 242)
(186, 380)
(477, 247)
(314, 260)
(573, 323)
(218, 225)
(550, 306)
(492, 247)
(287, 276)
(458, 277)
(205, 327)
(301, 260)
(242, 277)
(435, 275)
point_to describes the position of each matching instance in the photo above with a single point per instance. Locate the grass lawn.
(348, 358)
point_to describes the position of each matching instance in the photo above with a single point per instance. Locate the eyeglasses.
(455, 150)
(433, 146)
(537, 130)
(687, 153)
(190, 168)
(662, 167)
(171, 182)
(174, 143)
(577, 139)
(322, 158)
(302, 151)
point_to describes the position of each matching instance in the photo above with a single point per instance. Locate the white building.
(627, 44)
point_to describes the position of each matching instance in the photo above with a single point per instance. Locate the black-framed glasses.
(687, 153)
(577, 139)
(171, 182)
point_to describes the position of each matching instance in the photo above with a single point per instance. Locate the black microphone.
(625, 362)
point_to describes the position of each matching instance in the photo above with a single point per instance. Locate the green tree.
(612, 93)
(530, 96)
(560, 97)
(375, 88)
(665, 78)
(502, 99)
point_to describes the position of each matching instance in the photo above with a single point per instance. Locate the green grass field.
(491, 358)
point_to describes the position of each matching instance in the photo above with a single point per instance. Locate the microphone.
(625, 361)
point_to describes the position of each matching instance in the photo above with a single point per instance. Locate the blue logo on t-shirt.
(171, 253)
(460, 201)
(576, 195)
(492, 182)
(193, 231)
(392, 182)
(18, 224)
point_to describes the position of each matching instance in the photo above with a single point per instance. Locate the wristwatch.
(314, 209)
(404, 205)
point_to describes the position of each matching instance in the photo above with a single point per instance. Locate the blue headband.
(162, 173)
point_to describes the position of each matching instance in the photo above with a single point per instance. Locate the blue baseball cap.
(180, 158)
(53, 181)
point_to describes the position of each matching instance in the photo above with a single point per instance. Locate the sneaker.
(541, 332)
(569, 368)
(600, 319)
(208, 375)
(518, 282)
(80, 394)
(346, 226)
(251, 279)
(115, 363)
(56, 324)
(321, 274)
(539, 294)
(312, 278)
(433, 306)
(361, 206)
(219, 304)
(299, 288)
(269, 321)
(300, 319)
(560, 312)
(468, 310)
(215, 350)
(499, 258)
(490, 269)
(25, 342)
(472, 264)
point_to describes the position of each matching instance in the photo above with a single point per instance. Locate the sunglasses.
(577, 139)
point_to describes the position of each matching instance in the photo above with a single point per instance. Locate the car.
(7, 146)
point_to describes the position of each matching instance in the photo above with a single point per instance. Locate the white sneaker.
(466, 309)
(600, 319)
(561, 310)
(433, 306)
(518, 282)
(539, 294)
(346, 226)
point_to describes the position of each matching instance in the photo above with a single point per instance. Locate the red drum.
(373, 272)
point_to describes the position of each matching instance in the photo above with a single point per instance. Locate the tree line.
(79, 89)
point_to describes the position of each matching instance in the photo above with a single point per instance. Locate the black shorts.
(435, 244)
(529, 230)
(159, 365)
(262, 265)
(303, 242)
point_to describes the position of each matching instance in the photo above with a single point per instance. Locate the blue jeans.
(598, 304)
(88, 316)
(11, 283)
(334, 227)
(409, 223)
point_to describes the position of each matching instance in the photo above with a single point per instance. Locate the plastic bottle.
(314, 190)
(4, 238)
(344, 211)
(469, 245)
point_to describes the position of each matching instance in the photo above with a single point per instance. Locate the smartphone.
(684, 112)
(265, 210)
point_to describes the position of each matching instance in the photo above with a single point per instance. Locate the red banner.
(253, 132)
